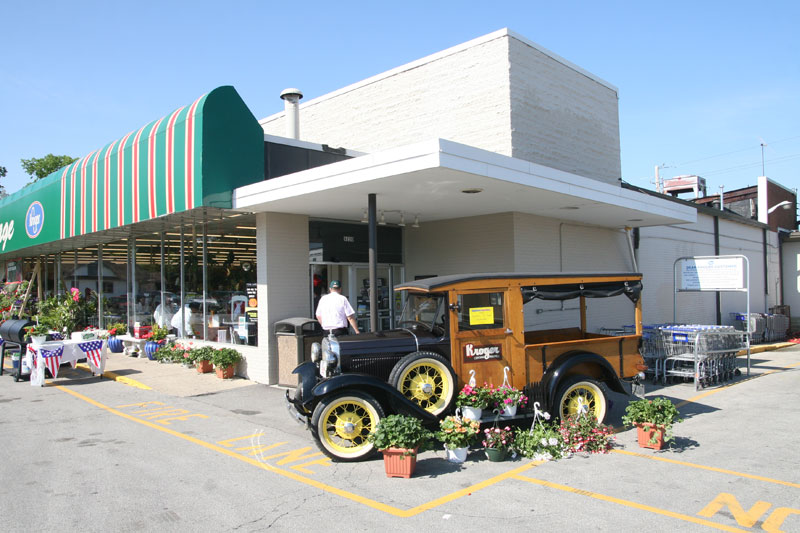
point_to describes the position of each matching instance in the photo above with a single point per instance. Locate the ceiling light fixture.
(382, 221)
(364, 217)
(474, 190)
(416, 222)
(402, 223)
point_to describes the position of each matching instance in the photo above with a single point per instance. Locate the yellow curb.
(766, 348)
(117, 377)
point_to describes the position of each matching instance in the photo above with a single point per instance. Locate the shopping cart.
(704, 354)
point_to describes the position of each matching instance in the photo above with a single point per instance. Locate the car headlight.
(316, 353)
(330, 357)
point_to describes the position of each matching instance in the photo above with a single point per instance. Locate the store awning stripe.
(191, 157)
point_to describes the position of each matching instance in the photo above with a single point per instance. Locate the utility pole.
(658, 180)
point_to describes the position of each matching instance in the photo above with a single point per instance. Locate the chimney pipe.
(291, 103)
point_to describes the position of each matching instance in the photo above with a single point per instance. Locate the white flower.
(544, 442)
(553, 441)
(546, 416)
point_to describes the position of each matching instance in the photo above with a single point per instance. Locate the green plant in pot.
(224, 360)
(653, 419)
(400, 437)
(202, 358)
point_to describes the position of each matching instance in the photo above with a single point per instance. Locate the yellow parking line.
(628, 503)
(710, 468)
(302, 479)
(117, 377)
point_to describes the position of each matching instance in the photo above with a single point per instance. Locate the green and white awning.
(195, 156)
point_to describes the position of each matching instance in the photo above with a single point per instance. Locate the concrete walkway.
(169, 378)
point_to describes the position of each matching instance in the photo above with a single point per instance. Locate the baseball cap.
(335, 284)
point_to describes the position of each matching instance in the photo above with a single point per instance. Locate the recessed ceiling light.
(635, 220)
(569, 207)
(476, 190)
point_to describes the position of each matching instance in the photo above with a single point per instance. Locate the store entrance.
(355, 286)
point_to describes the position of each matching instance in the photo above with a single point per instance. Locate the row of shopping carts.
(764, 327)
(704, 354)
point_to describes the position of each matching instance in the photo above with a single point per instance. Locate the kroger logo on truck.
(34, 220)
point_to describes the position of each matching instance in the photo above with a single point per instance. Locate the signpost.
(713, 273)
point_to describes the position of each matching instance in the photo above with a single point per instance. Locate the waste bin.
(295, 337)
(15, 340)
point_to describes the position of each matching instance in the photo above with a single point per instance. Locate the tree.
(3, 173)
(39, 167)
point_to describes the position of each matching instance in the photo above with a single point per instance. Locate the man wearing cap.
(334, 311)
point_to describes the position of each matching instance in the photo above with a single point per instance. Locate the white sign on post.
(712, 274)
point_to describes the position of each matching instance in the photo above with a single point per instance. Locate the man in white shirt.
(334, 311)
(192, 319)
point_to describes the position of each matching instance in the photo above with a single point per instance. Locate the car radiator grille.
(379, 366)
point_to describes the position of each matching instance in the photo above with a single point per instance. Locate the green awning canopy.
(194, 157)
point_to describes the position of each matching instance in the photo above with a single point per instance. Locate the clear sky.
(701, 83)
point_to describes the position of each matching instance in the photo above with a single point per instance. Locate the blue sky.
(701, 84)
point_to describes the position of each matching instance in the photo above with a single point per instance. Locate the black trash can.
(295, 337)
(15, 340)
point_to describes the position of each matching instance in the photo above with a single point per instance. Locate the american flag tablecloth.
(51, 359)
(94, 354)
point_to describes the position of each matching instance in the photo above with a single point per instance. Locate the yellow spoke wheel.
(342, 423)
(426, 379)
(582, 396)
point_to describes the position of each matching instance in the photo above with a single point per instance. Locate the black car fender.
(565, 362)
(390, 398)
(307, 373)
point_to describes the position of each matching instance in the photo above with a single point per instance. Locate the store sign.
(34, 220)
(6, 233)
(487, 352)
(712, 274)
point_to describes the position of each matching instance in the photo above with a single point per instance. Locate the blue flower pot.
(115, 344)
(150, 349)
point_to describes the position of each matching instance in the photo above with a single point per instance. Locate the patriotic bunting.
(52, 359)
(92, 351)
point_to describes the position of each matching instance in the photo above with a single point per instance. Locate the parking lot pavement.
(733, 466)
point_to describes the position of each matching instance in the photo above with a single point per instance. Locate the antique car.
(455, 326)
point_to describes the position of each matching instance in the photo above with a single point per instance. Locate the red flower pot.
(397, 463)
(204, 367)
(225, 373)
(646, 432)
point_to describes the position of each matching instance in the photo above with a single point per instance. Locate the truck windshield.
(423, 309)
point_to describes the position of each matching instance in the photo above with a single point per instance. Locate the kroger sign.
(34, 220)
(6, 232)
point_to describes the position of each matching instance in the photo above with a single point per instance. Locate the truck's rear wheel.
(582, 395)
(342, 423)
(426, 379)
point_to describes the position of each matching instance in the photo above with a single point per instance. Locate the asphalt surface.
(91, 454)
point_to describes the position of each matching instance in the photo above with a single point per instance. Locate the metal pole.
(373, 264)
(205, 282)
(100, 321)
(163, 284)
(133, 278)
(182, 329)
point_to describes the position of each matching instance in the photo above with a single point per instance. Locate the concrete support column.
(283, 285)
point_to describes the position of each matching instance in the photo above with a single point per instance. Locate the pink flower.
(76, 293)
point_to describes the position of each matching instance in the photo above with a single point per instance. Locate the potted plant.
(507, 399)
(583, 433)
(472, 401)
(202, 358)
(496, 442)
(224, 360)
(457, 434)
(155, 339)
(115, 343)
(542, 442)
(400, 437)
(37, 333)
(653, 419)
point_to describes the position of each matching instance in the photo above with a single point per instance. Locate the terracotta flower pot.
(646, 432)
(397, 464)
(225, 373)
(204, 367)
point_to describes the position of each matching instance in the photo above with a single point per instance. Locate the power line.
(737, 151)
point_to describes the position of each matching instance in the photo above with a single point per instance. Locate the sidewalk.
(172, 379)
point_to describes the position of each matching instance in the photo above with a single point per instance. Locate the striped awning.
(195, 156)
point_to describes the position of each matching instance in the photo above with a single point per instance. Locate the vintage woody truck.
(452, 325)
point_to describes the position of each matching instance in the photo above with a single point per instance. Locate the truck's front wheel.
(426, 379)
(342, 423)
(582, 395)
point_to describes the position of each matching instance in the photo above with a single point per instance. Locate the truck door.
(481, 337)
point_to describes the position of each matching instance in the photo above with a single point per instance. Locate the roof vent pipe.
(291, 102)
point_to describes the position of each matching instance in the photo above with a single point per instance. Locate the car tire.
(581, 393)
(342, 422)
(426, 379)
